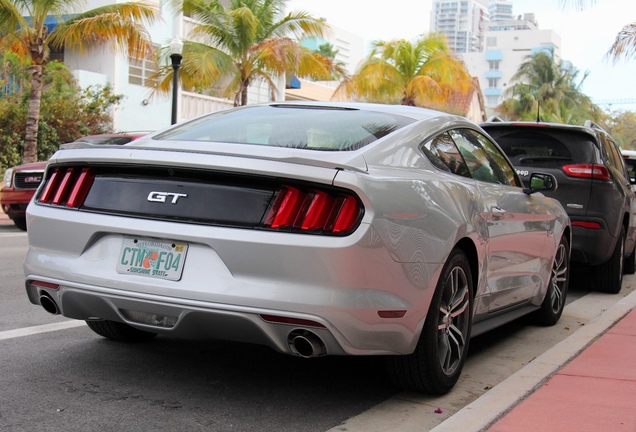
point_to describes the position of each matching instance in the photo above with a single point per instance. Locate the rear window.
(545, 147)
(291, 126)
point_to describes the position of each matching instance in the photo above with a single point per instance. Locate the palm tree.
(245, 42)
(24, 32)
(546, 90)
(420, 73)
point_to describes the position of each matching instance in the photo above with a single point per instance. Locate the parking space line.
(29, 331)
(12, 234)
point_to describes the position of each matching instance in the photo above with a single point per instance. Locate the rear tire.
(20, 222)
(609, 275)
(118, 331)
(629, 266)
(437, 362)
(554, 301)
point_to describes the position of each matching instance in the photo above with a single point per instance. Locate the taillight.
(313, 210)
(586, 224)
(286, 207)
(591, 171)
(67, 187)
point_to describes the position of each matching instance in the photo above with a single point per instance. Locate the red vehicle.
(21, 182)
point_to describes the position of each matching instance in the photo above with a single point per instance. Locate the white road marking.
(29, 331)
(13, 234)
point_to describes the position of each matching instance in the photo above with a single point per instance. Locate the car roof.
(34, 166)
(589, 127)
(629, 154)
(91, 139)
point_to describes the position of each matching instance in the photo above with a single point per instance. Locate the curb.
(479, 415)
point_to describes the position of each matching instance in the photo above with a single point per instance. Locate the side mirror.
(541, 182)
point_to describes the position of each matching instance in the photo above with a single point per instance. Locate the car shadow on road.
(581, 284)
(236, 374)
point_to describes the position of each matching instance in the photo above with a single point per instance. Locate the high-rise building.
(460, 21)
(507, 44)
(500, 10)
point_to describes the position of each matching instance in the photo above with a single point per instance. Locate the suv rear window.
(545, 147)
(292, 126)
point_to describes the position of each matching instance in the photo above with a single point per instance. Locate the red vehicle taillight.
(586, 224)
(591, 171)
(313, 210)
(67, 187)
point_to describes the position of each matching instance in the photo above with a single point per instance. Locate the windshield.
(291, 126)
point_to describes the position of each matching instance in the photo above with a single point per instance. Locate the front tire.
(436, 364)
(20, 222)
(119, 332)
(609, 275)
(556, 293)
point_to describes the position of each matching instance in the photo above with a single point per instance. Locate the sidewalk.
(594, 392)
(585, 383)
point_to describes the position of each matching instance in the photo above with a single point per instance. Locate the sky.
(586, 35)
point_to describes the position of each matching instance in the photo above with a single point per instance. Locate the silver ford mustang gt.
(313, 228)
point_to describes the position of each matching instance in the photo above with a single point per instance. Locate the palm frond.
(120, 24)
(422, 72)
(201, 67)
(576, 4)
(624, 45)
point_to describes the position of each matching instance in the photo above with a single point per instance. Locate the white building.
(460, 22)
(349, 47)
(499, 10)
(142, 111)
(507, 45)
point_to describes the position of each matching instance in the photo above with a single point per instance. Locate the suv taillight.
(591, 171)
(313, 210)
(67, 187)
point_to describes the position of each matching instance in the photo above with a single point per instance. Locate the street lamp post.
(176, 48)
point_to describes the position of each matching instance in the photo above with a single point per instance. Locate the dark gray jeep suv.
(593, 186)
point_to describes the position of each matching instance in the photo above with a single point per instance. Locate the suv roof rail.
(494, 119)
(591, 124)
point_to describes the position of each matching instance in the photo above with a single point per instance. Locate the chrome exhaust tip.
(306, 344)
(49, 305)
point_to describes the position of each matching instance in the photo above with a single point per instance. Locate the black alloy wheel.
(436, 364)
(556, 293)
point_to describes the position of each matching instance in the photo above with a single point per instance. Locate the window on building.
(492, 82)
(494, 65)
(492, 101)
(140, 72)
(491, 41)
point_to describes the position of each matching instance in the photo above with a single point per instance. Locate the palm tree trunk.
(407, 100)
(244, 94)
(33, 116)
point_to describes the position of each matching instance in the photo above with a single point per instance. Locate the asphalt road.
(66, 378)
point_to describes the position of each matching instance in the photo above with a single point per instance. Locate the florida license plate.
(153, 258)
